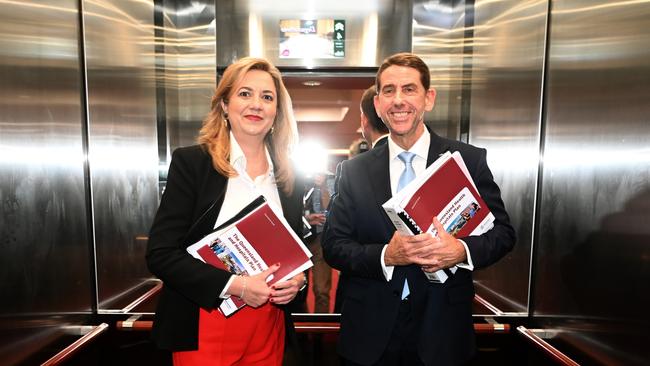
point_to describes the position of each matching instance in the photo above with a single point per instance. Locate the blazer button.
(395, 293)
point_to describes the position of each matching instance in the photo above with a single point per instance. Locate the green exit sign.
(339, 38)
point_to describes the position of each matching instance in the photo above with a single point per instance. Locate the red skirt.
(248, 337)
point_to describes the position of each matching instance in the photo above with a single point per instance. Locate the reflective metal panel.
(593, 254)
(506, 88)
(486, 61)
(44, 241)
(119, 39)
(374, 29)
(190, 68)
(438, 30)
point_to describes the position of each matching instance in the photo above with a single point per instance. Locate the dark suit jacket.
(188, 211)
(355, 233)
(380, 141)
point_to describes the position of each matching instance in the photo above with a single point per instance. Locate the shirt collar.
(238, 159)
(379, 138)
(420, 148)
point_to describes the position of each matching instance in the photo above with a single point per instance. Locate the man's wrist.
(467, 263)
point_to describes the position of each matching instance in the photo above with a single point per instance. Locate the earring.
(225, 119)
(272, 129)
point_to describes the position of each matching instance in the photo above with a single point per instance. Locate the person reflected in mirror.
(242, 152)
(317, 198)
(390, 313)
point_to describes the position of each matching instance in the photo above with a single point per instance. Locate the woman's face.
(252, 106)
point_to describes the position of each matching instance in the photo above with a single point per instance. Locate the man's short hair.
(368, 109)
(409, 60)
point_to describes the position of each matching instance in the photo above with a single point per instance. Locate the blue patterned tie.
(407, 176)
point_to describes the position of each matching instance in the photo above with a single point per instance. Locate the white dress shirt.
(242, 189)
(396, 167)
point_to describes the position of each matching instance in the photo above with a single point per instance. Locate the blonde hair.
(215, 132)
(357, 147)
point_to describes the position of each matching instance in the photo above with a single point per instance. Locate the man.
(373, 130)
(391, 314)
(316, 200)
(372, 127)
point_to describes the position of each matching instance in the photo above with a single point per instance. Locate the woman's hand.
(283, 292)
(253, 289)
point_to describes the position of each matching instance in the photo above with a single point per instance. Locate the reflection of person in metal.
(315, 212)
(390, 313)
(242, 152)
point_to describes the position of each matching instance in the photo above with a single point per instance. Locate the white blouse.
(242, 190)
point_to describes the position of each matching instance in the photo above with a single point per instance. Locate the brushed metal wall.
(123, 149)
(486, 61)
(438, 37)
(190, 69)
(374, 29)
(592, 256)
(505, 106)
(44, 237)
(585, 124)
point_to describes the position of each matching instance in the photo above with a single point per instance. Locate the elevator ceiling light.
(311, 83)
(320, 113)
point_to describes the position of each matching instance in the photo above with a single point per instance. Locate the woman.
(242, 152)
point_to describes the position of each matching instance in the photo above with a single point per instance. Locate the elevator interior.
(96, 94)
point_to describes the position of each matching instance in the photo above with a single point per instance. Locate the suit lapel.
(210, 201)
(437, 147)
(379, 176)
(379, 173)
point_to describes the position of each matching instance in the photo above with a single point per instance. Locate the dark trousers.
(321, 276)
(402, 346)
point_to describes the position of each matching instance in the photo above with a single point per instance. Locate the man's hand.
(446, 252)
(431, 253)
(403, 250)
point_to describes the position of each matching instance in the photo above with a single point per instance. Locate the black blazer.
(188, 211)
(355, 234)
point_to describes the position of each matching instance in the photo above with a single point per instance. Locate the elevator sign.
(339, 38)
(312, 38)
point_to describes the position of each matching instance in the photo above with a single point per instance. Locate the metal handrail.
(317, 327)
(312, 327)
(76, 345)
(143, 325)
(541, 344)
(146, 296)
(488, 305)
(490, 328)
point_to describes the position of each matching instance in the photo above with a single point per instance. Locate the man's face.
(402, 101)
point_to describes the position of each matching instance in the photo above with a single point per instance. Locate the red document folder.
(447, 191)
(252, 243)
